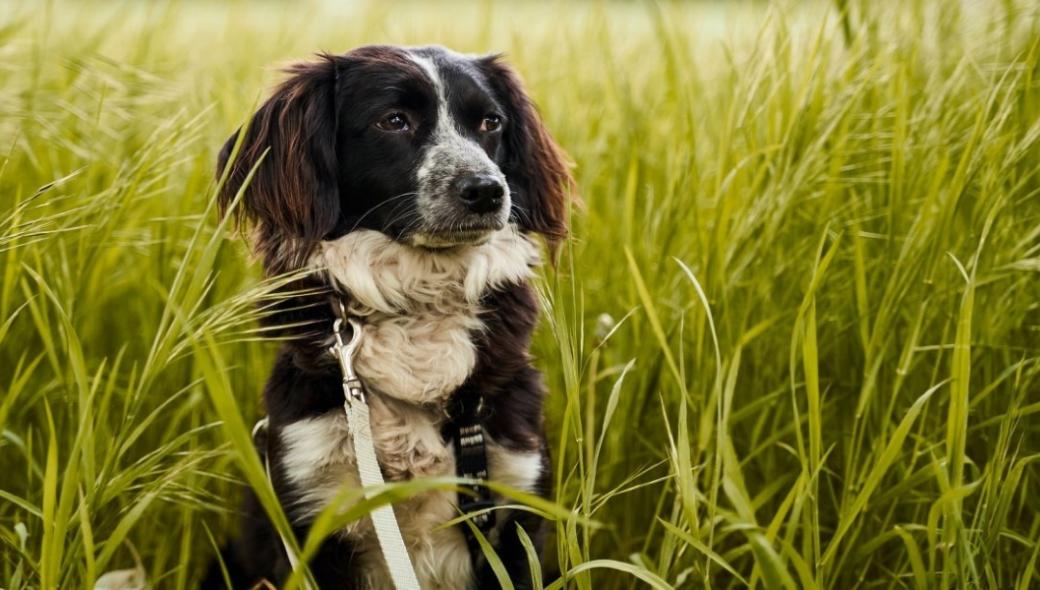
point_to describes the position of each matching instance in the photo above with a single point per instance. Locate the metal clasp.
(344, 353)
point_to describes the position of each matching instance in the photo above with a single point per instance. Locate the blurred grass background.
(794, 342)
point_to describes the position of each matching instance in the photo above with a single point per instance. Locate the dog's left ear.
(535, 166)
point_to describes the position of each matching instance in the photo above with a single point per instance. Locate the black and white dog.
(413, 182)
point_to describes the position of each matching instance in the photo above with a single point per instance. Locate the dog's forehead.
(451, 70)
(451, 75)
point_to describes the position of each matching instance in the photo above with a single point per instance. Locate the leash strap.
(398, 562)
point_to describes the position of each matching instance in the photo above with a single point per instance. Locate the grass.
(793, 343)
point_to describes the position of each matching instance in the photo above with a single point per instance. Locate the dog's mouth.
(439, 240)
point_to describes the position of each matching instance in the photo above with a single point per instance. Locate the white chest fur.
(420, 309)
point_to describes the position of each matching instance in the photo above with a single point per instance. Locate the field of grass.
(794, 341)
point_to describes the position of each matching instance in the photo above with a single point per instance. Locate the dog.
(419, 187)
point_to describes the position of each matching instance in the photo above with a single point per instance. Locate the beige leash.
(398, 562)
(389, 534)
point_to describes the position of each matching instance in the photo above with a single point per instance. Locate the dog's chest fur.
(421, 312)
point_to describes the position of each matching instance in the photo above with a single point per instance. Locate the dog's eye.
(491, 122)
(395, 122)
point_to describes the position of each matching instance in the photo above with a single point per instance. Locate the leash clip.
(344, 350)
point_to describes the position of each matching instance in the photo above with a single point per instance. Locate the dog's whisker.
(376, 207)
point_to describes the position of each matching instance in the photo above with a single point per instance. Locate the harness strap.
(260, 439)
(466, 431)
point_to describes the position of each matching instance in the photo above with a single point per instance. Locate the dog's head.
(432, 148)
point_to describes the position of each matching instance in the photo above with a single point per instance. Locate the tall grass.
(794, 342)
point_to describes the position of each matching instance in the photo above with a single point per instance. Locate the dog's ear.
(535, 166)
(290, 149)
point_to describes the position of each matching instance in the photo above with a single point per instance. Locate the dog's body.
(411, 182)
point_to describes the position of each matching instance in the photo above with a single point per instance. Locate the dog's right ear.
(535, 165)
(289, 148)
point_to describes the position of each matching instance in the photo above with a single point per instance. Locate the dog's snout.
(481, 193)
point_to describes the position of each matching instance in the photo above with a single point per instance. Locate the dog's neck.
(421, 308)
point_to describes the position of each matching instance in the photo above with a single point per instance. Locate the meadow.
(793, 341)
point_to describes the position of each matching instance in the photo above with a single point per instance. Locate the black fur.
(320, 170)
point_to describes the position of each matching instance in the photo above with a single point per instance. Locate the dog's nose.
(481, 193)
